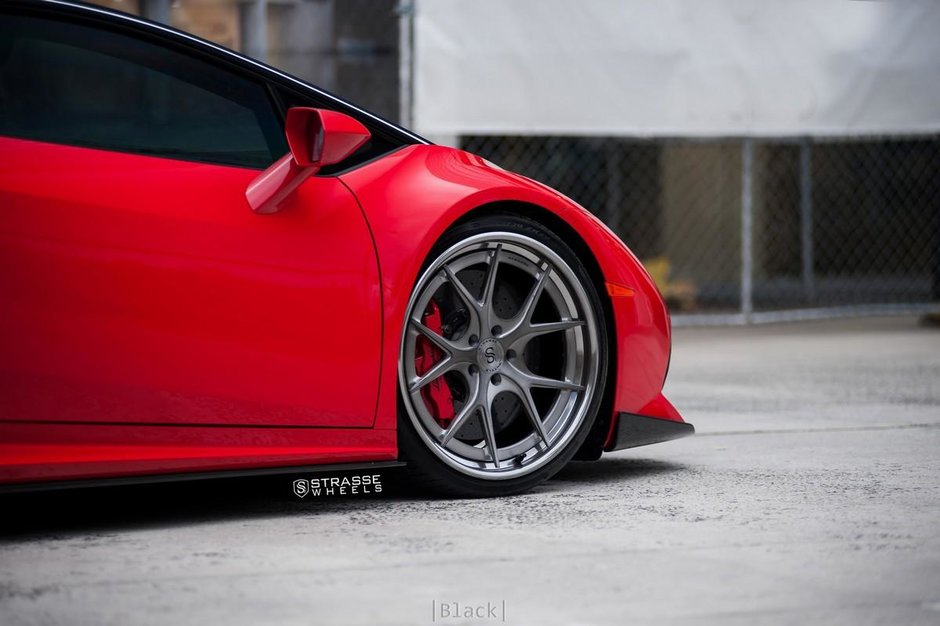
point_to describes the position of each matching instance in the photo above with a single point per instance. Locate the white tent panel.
(677, 67)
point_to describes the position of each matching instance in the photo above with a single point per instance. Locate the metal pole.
(256, 30)
(936, 263)
(406, 12)
(157, 10)
(806, 219)
(747, 228)
(613, 212)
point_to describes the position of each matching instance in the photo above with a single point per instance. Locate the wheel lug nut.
(496, 379)
(510, 354)
(472, 369)
(473, 340)
(497, 330)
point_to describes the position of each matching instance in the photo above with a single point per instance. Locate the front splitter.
(640, 430)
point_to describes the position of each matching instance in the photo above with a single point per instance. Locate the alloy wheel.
(499, 355)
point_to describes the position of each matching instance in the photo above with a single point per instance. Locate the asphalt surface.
(810, 496)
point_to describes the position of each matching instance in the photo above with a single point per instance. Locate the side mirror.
(316, 138)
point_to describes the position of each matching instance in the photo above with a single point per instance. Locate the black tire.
(574, 355)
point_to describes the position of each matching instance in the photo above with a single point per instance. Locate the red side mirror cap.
(316, 138)
(320, 137)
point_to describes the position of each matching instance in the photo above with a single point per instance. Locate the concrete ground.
(810, 496)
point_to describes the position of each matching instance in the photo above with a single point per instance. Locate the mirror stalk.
(272, 187)
(317, 138)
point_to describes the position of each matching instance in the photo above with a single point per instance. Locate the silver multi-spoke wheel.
(500, 355)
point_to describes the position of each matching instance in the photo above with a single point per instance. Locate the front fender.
(411, 197)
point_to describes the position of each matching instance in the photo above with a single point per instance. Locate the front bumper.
(631, 431)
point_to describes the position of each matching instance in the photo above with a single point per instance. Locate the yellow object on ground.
(678, 294)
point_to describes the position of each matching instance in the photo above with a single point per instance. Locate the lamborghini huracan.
(209, 267)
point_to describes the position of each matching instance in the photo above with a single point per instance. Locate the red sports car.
(210, 267)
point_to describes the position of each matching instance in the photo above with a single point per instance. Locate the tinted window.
(78, 85)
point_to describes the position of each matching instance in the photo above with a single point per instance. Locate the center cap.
(489, 355)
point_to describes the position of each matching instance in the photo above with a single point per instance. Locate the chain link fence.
(731, 229)
(754, 227)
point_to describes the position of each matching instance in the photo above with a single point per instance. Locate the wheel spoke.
(489, 431)
(531, 410)
(551, 327)
(490, 283)
(434, 338)
(467, 297)
(528, 307)
(439, 369)
(529, 380)
(528, 332)
(469, 408)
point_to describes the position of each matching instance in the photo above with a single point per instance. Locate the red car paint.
(144, 292)
(57, 451)
(151, 323)
(138, 289)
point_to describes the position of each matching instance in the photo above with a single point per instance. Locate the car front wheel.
(503, 359)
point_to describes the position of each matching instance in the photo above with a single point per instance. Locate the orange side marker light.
(614, 291)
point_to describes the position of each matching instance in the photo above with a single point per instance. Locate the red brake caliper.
(436, 394)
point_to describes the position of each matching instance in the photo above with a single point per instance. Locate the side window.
(79, 85)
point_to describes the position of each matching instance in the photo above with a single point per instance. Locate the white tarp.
(676, 67)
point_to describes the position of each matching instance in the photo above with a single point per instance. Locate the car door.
(135, 283)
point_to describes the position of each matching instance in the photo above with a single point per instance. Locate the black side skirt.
(181, 476)
(639, 430)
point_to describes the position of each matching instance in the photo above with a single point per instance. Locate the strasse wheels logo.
(354, 485)
(490, 354)
(301, 487)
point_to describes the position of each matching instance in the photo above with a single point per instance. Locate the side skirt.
(188, 476)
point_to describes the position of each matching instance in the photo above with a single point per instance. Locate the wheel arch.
(593, 445)
(412, 197)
